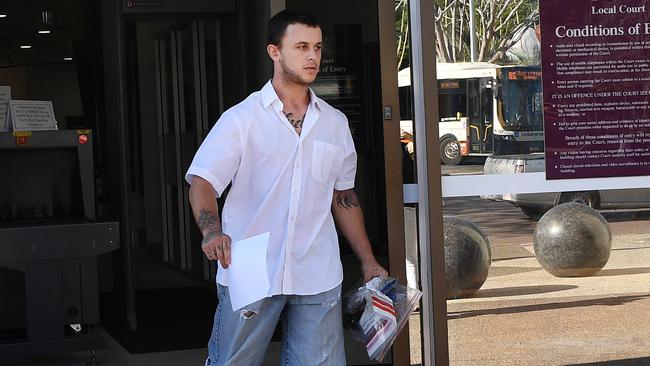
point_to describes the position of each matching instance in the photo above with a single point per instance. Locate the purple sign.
(596, 78)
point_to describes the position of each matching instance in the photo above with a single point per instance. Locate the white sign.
(5, 97)
(32, 115)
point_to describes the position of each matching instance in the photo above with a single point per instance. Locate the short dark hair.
(280, 21)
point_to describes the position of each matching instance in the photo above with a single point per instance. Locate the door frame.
(393, 160)
(117, 118)
(435, 342)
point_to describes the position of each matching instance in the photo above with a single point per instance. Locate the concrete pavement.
(524, 316)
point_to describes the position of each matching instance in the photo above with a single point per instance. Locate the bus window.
(473, 103)
(520, 100)
(405, 103)
(523, 105)
(449, 105)
(452, 98)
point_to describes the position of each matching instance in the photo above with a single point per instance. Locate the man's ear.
(274, 52)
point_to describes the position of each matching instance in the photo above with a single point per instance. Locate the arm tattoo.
(207, 220)
(347, 199)
(296, 123)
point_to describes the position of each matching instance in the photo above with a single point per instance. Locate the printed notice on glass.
(596, 78)
(32, 115)
(5, 97)
(339, 80)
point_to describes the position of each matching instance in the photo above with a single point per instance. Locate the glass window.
(452, 105)
(521, 104)
(509, 304)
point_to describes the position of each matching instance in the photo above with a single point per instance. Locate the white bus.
(484, 109)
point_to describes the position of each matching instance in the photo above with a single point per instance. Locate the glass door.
(188, 73)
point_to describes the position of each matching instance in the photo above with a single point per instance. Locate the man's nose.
(312, 54)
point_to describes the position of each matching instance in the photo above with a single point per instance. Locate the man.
(291, 160)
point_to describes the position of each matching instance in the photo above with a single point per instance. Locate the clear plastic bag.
(377, 312)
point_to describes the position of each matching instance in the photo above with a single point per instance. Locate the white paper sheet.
(248, 279)
(5, 97)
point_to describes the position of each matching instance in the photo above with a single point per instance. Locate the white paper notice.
(248, 280)
(5, 97)
(32, 115)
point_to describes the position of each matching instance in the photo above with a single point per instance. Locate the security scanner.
(49, 243)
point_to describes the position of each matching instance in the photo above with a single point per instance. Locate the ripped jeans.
(312, 330)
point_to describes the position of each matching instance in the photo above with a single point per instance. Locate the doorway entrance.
(188, 72)
(174, 94)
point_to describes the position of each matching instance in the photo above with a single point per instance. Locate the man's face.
(299, 53)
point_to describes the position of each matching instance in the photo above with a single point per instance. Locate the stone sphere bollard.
(572, 240)
(467, 257)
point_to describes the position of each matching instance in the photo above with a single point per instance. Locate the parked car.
(534, 205)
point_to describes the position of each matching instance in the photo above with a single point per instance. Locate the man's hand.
(406, 136)
(372, 269)
(216, 245)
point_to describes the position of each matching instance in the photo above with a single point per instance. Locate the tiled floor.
(118, 356)
(115, 356)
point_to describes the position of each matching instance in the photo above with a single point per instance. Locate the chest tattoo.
(295, 122)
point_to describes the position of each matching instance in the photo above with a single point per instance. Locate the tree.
(402, 30)
(500, 24)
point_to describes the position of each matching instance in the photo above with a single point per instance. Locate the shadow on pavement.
(622, 271)
(632, 248)
(628, 362)
(618, 216)
(522, 290)
(605, 301)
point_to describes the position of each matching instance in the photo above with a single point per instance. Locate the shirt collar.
(269, 96)
(314, 100)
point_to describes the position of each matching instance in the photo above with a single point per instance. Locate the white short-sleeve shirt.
(282, 183)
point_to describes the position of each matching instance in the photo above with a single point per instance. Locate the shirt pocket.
(325, 158)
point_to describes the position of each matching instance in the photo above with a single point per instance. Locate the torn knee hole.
(247, 314)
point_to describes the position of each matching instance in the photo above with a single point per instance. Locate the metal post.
(115, 86)
(472, 31)
(434, 307)
(392, 161)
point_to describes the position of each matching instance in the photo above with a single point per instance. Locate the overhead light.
(67, 59)
(44, 32)
(26, 46)
(3, 15)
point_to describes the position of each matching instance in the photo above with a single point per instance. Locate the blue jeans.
(312, 330)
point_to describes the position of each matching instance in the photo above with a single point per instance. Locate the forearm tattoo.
(296, 123)
(207, 220)
(347, 199)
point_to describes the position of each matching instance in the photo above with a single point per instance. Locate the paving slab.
(524, 316)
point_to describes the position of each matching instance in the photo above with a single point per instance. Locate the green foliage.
(499, 25)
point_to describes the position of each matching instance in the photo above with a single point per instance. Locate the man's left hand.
(372, 269)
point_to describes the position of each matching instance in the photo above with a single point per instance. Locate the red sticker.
(22, 140)
(83, 139)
